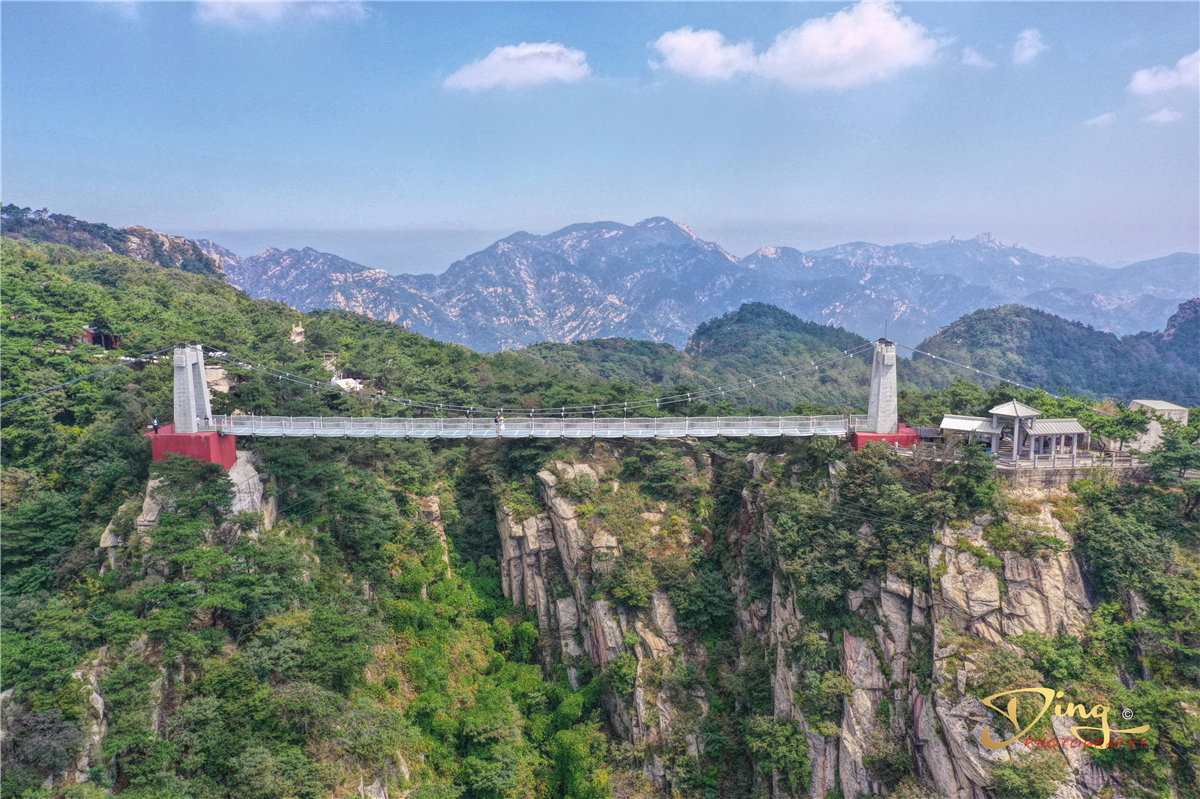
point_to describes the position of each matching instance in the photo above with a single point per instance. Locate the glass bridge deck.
(537, 427)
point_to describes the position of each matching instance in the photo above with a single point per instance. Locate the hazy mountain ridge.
(657, 281)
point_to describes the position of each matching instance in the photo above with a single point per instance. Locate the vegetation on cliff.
(363, 644)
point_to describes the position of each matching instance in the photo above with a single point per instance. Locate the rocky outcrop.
(524, 544)
(891, 698)
(1047, 595)
(128, 530)
(970, 606)
(170, 252)
(93, 724)
(430, 512)
(546, 565)
(248, 488)
(859, 714)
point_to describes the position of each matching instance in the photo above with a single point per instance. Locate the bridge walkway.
(536, 427)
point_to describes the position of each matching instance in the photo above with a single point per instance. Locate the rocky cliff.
(912, 666)
(548, 564)
(144, 244)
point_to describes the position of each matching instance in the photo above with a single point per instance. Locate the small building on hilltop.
(101, 338)
(1160, 410)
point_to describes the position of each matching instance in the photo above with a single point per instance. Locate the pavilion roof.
(1058, 427)
(968, 424)
(1159, 405)
(1014, 409)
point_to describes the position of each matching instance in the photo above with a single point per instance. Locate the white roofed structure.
(968, 424)
(1160, 410)
(1032, 436)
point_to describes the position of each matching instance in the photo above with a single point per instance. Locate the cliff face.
(911, 670)
(547, 566)
(169, 252)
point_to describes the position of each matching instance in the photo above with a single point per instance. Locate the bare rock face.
(151, 508)
(248, 488)
(94, 725)
(1045, 595)
(533, 551)
(1049, 595)
(861, 667)
(662, 614)
(219, 380)
(522, 573)
(430, 511)
(969, 608)
(963, 724)
(171, 252)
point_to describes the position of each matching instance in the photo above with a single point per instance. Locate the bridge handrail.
(515, 426)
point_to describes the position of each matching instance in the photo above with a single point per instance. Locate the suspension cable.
(561, 411)
(1057, 395)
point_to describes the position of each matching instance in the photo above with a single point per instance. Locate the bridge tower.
(193, 404)
(882, 416)
(193, 409)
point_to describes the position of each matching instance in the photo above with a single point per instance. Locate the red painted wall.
(211, 447)
(905, 437)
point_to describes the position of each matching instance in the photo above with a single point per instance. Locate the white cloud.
(1028, 47)
(865, 43)
(861, 44)
(972, 58)
(1165, 116)
(244, 15)
(1161, 79)
(704, 54)
(1102, 121)
(520, 65)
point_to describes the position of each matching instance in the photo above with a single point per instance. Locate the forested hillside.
(1039, 349)
(757, 340)
(723, 618)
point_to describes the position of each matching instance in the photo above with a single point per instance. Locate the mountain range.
(657, 281)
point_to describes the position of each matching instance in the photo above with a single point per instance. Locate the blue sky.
(406, 135)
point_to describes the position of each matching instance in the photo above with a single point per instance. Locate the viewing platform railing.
(532, 427)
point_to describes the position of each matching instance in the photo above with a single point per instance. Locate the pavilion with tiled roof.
(1031, 435)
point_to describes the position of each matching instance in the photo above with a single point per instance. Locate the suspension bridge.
(193, 411)
(195, 431)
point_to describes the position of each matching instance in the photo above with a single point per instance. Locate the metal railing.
(532, 427)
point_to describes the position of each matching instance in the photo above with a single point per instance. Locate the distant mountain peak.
(656, 280)
(1188, 312)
